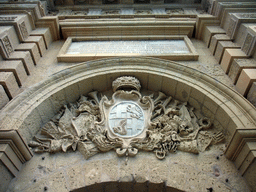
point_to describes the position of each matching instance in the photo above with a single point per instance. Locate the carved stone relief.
(64, 12)
(7, 45)
(23, 30)
(127, 122)
(111, 12)
(7, 18)
(174, 11)
(246, 15)
(231, 28)
(143, 12)
(79, 13)
(247, 43)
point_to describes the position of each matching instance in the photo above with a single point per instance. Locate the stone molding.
(11, 12)
(53, 23)
(25, 114)
(14, 151)
(63, 57)
(202, 21)
(127, 28)
(7, 45)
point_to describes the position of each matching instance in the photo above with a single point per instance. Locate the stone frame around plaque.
(63, 57)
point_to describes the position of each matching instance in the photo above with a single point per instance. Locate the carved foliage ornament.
(23, 30)
(7, 45)
(126, 123)
(8, 18)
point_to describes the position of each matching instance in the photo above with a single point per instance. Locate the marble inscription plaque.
(140, 47)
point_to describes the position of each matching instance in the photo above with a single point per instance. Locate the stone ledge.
(214, 41)
(45, 33)
(32, 48)
(52, 23)
(39, 42)
(228, 56)
(245, 80)
(202, 21)
(17, 68)
(211, 31)
(26, 59)
(9, 83)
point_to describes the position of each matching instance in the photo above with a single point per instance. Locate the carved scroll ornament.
(126, 123)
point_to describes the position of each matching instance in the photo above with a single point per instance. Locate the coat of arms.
(127, 122)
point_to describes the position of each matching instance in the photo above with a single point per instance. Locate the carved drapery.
(127, 123)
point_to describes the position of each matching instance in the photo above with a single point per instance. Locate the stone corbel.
(30, 17)
(202, 21)
(242, 149)
(13, 150)
(53, 23)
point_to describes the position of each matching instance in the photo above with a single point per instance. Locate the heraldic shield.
(127, 122)
(127, 118)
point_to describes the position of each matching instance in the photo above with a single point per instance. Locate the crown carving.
(126, 82)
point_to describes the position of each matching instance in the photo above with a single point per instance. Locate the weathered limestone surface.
(214, 41)
(32, 48)
(39, 42)
(5, 177)
(222, 45)
(245, 80)
(210, 31)
(181, 171)
(8, 81)
(228, 57)
(26, 58)
(17, 68)
(8, 33)
(3, 97)
(207, 165)
(106, 172)
(252, 94)
(237, 65)
(45, 33)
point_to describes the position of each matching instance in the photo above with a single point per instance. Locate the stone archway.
(127, 186)
(227, 109)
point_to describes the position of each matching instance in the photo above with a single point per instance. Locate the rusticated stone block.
(3, 97)
(17, 68)
(252, 94)
(45, 33)
(222, 45)
(32, 48)
(238, 65)
(210, 31)
(7, 80)
(39, 42)
(229, 56)
(214, 41)
(26, 58)
(245, 80)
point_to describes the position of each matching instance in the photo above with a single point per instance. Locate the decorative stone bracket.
(13, 150)
(242, 150)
